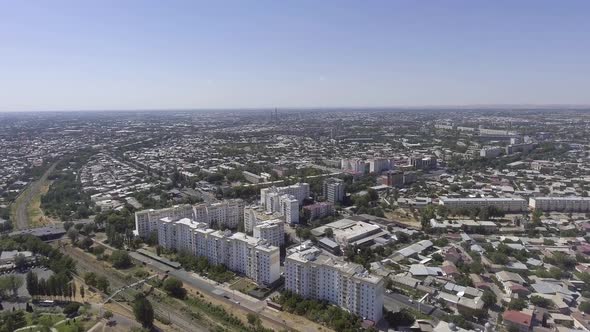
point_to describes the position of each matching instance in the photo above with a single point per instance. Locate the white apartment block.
(355, 165)
(565, 204)
(238, 252)
(146, 221)
(224, 214)
(299, 190)
(272, 231)
(378, 165)
(264, 225)
(333, 190)
(289, 208)
(502, 204)
(312, 274)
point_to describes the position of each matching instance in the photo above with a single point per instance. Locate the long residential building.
(252, 257)
(566, 204)
(315, 275)
(502, 204)
(224, 214)
(299, 190)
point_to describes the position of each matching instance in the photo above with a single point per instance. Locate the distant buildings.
(354, 165)
(422, 162)
(562, 204)
(490, 152)
(314, 275)
(398, 178)
(502, 204)
(238, 252)
(349, 232)
(333, 190)
(378, 165)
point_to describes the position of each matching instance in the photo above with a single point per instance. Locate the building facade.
(252, 257)
(314, 275)
(333, 190)
(565, 204)
(502, 204)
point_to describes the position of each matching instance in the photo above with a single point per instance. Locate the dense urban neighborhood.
(296, 220)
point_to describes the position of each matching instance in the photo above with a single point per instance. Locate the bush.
(71, 308)
(120, 259)
(173, 287)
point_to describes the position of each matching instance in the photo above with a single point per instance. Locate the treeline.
(201, 265)
(56, 285)
(320, 312)
(52, 257)
(119, 226)
(65, 199)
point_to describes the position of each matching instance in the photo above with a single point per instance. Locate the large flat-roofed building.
(315, 275)
(565, 204)
(252, 257)
(348, 232)
(502, 204)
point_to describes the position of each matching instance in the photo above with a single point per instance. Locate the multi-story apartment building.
(490, 152)
(224, 214)
(289, 208)
(312, 274)
(299, 190)
(272, 231)
(502, 204)
(565, 204)
(422, 162)
(319, 210)
(146, 221)
(333, 190)
(254, 258)
(354, 165)
(378, 165)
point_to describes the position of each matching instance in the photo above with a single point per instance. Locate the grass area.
(243, 285)
(35, 213)
(45, 319)
(74, 326)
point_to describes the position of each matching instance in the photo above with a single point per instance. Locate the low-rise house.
(521, 320)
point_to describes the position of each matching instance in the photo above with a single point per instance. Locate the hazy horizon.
(145, 55)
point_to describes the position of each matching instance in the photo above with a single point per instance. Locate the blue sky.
(93, 55)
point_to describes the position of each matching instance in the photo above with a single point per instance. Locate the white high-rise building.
(289, 208)
(299, 190)
(355, 165)
(312, 274)
(333, 190)
(264, 225)
(224, 214)
(255, 258)
(273, 231)
(378, 165)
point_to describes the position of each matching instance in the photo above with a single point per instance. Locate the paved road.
(23, 201)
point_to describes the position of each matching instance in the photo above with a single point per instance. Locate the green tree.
(174, 287)
(143, 311)
(103, 284)
(489, 298)
(329, 232)
(120, 259)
